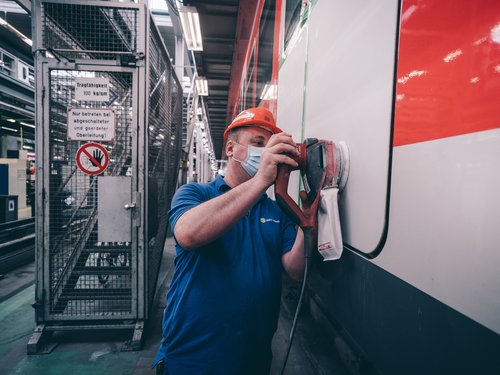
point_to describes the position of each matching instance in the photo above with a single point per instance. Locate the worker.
(232, 242)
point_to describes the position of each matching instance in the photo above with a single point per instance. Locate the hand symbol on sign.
(97, 155)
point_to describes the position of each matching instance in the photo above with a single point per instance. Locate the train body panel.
(290, 110)
(443, 234)
(398, 328)
(412, 86)
(348, 97)
(448, 69)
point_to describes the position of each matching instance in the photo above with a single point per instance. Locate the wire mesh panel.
(164, 149)
(90, 269)
(89, 31)
(104, 195)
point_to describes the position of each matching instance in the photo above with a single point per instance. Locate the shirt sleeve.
(289, 234)
(185, 198)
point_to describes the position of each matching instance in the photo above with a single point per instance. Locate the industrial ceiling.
(218, 22)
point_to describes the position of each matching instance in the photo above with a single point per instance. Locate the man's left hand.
(277, 151)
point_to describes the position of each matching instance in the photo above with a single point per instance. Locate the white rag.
(329, 233)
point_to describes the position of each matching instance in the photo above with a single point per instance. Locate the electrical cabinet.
(8, 208)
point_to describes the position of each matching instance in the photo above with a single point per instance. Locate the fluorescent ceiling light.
(202, 86)
(26, 124)
(190, 22)
(12, 130)
(11, 120)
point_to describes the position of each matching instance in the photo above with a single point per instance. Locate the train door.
(336, 96)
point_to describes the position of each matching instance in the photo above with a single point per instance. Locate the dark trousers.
(160, 368)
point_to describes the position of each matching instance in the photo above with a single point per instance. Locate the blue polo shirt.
(223, 302)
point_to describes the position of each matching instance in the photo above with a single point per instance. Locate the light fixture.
(12, 130)
(190, 21)
(11, 120)
(26, 124)
(202, 86)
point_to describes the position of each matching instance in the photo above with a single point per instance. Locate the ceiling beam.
(25, 4)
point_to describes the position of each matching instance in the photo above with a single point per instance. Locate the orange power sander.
(322, 165)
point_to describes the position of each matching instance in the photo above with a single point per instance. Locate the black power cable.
(307, 258)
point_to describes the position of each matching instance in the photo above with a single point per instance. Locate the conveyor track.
(17, 244)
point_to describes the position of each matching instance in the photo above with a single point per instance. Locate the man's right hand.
(277, 151)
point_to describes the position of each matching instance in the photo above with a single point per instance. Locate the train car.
(413, 88)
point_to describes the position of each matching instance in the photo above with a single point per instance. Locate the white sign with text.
(91, 124)
(92, 89)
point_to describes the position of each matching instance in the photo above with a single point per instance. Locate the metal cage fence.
(164, 145)
(89, 31)
(90, 270)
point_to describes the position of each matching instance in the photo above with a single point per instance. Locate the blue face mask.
(252, 161)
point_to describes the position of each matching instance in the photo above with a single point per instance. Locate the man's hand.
(277, 151)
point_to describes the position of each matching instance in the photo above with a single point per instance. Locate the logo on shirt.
(264, 220)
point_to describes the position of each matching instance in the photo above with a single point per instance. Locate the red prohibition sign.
(92, 158)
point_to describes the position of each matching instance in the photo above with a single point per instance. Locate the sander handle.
(307, 217)
(284, 200)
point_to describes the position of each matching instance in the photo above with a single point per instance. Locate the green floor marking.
(17, 319)
(79, 363)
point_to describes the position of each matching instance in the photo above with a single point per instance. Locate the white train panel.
(291, 98)
(443, 228)
(349, 93)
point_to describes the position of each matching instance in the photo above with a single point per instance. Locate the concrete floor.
(103, 353)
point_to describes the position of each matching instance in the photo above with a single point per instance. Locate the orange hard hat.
(254, 117)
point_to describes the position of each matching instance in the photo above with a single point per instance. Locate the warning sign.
(92, 158)
(91, 124)
(92, 89)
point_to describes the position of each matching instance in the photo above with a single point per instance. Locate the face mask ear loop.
(239, 161)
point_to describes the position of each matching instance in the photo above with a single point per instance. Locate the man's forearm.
(293, 261)
(209, 220)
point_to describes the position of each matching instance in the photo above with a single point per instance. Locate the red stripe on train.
(448, 69)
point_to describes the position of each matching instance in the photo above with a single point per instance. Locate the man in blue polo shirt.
(232, 242)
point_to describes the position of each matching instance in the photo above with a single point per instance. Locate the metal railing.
(17, 69)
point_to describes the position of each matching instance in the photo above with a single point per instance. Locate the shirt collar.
(220, 184)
